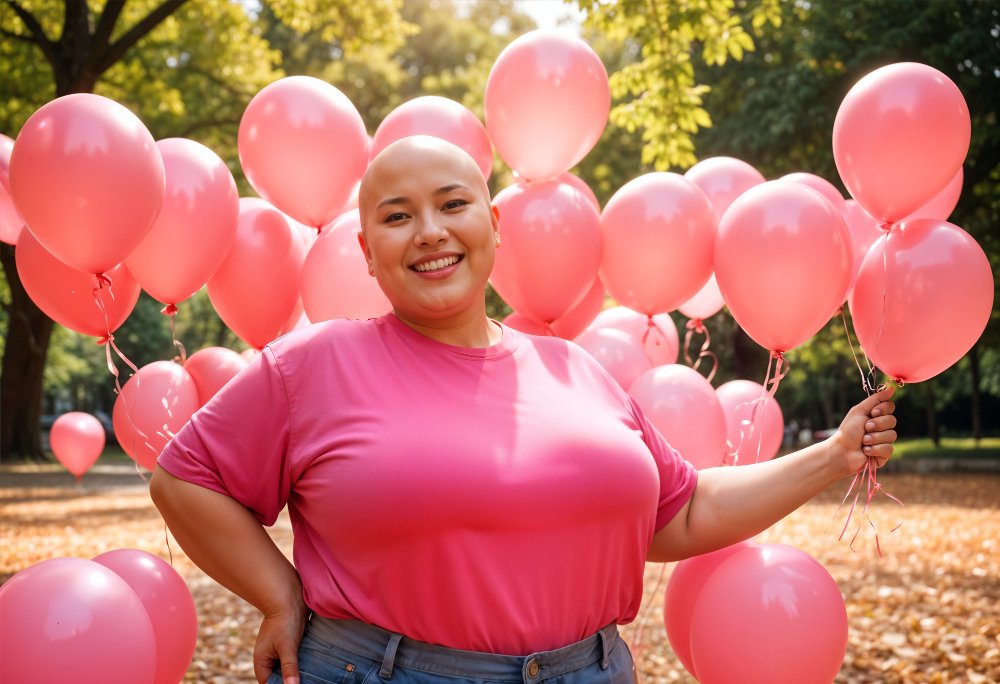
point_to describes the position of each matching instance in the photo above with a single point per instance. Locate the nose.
(430, 231)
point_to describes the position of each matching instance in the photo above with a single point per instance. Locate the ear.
(495, 220)
(366, 252)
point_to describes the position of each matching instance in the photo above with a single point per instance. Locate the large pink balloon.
(760, 439)
(769, 613)
(11, 222)
(723, 179)
(441, 118)
(519, 321)
(820, 185)
(551, 248)
(77, 440)
(256, 288)
(570, 325)
(659, 340)
(67, 296)
(922, 299)
(682, 405)
(167, 601)
(211, 368)
(659, 230)
(901, 134)
(620, 355)
(153, 406)
(73, 620)
(547, 102)
(783, 263)
(864, 232)
(683, 589)
(576, 182)
(706, 302)
(87, 179)
(335, 280)
(303, 146)
(196, 225)
(943, 203)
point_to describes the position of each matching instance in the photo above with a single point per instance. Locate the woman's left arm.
(731, 504)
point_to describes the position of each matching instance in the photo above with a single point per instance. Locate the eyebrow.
(440, 191)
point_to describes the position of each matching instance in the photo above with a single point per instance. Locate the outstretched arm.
(732, 504)
(226, 541)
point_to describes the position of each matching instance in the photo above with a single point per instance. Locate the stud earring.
(498, 240)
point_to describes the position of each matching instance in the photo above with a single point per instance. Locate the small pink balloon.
(152, 407)
(551, 248)
(73, 620)
(900, 136)
(755, 435)
(335, 280)
(723, 179)
(820, 185)
(570, 325)
(683, 589)
(682, 405)
(11, 222)
(864, 232)
(441, 118)
(167, 601)
(943, 203)
(768, 613)
(620, 355)
(922, 299)
(87, 179)
(577, 183)
(77, 440)
(658, 335)
(659, 230)
(547, 102)
(255, 289)
(195, 227)
(303, 146)
(783, 263)
(67, 295)
(211, 368)
(706, 303)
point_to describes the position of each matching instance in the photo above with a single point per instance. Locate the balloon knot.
(778, 355)
(169, 310)
(885, 225)
(107, 339)
(102, 280)
(695, 324)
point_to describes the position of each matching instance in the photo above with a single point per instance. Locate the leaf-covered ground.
(928, 611)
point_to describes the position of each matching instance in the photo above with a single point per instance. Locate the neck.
(475, 331)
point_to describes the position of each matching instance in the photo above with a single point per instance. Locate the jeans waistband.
(392, 649)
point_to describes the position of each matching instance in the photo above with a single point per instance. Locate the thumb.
(874, 400)
(289, 664)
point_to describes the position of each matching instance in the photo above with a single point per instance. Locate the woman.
(468, 503)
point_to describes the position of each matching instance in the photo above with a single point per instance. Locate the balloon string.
(637, 646)
(866, 385)
(865, 479)
(166, 539)
(549, 330)
(886, 227)
(696, 325)
(170, 310)
(103, 281)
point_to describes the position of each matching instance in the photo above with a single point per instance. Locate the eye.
(454, 204)
(394, 217)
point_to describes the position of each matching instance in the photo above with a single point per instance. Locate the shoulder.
(336, 333)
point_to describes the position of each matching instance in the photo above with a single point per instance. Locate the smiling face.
(429, 233)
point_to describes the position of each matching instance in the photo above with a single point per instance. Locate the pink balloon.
(569, 326)
(683, 589)
(659, 230)
(551, 248)
(67, 296)
(211, 368)
(87, 179)
(73, 620)
(168, 603)
(755, 441)
(769, 613)
(922, 299)
(620, 355)
(864, 232)
(520, 322)
(706, 303)
(153, 406)
(659, 339)
(196, 225)
(335, 280)
(682, 405)
(901, 134)
(943, 203)
(11, 222)
(723, 179)
(77, 440)
(820, 185)
(303, 146)
(783, 263)
(577, 183)
(441, 118)
(249, 354)
(547, 102)
(256, 287)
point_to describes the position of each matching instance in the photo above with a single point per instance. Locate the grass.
(951, 447)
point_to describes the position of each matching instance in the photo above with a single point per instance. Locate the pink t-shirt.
(497, 500)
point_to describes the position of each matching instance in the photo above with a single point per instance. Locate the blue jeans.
(352, 652)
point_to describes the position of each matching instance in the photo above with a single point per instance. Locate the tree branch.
(106, 24)
(42, 40)
(118, 49)
(212, 123)
(18, 36)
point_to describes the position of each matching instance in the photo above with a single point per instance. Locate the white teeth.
(436, 265)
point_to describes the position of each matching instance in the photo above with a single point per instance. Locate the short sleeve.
(677, 476)
(237, 444)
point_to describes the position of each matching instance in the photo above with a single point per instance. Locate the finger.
(263, 666)
(884, 437)
(874, 400)
(884, 409)
(289, 665)
(881, 453)
(881, 423)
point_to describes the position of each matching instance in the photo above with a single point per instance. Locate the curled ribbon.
(696, 325)
(171, 311)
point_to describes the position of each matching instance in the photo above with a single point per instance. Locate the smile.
(437, 264)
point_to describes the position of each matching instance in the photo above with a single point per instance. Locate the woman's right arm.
(224, 539)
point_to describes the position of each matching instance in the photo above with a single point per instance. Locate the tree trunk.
(932, 424)
(28, 333)
(977, 420)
